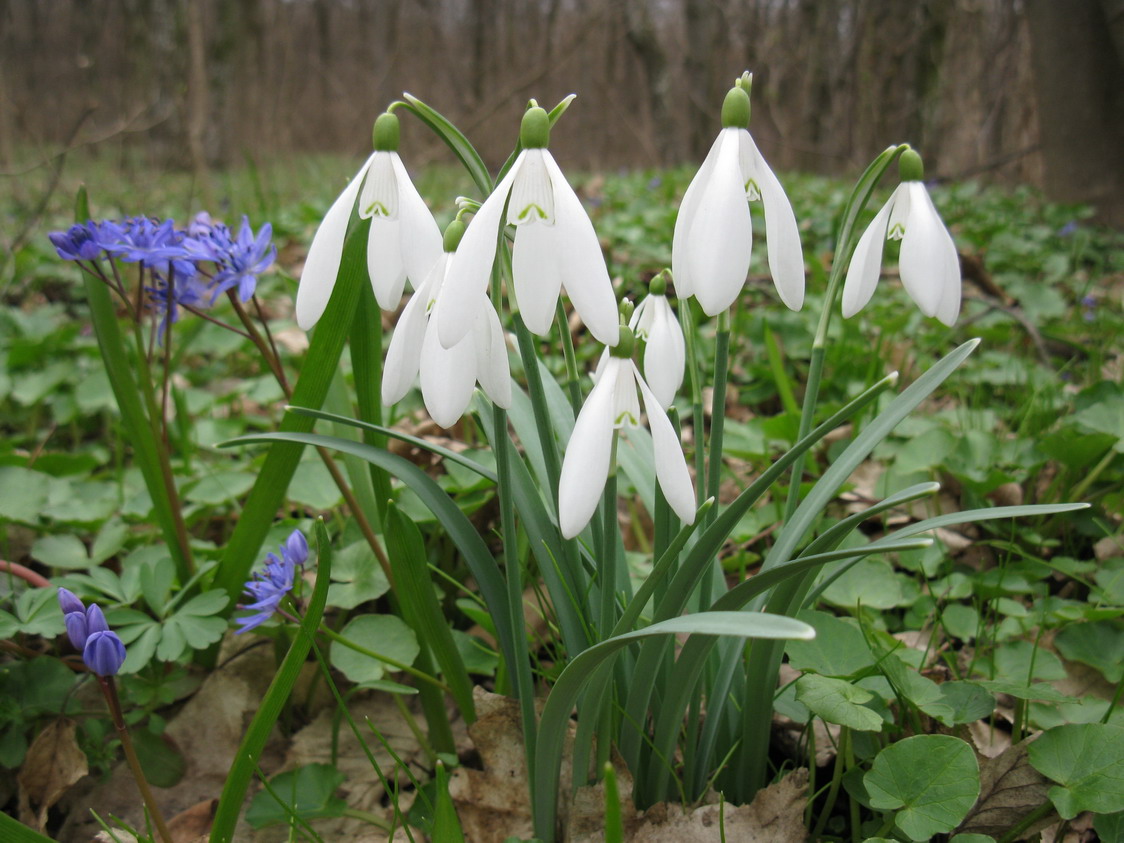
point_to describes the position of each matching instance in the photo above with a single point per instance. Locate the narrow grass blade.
(246, 759)
(14, 831)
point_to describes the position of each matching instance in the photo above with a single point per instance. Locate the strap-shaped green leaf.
(419, 606)
(453, 137)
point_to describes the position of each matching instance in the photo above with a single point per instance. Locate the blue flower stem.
(420, 675)
(163, 461)
(109, 689)
(267, 351)
(572, 377)
(524, 681)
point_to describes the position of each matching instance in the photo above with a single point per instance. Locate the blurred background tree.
(1003, 90)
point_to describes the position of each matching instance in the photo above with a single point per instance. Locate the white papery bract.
(404, 241)
(928, 263)
(555, 247)
(613, 405)
(665, 352)
(710, 247)
(448, 375)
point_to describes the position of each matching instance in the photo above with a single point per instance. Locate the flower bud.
(910, 167)
(104, 653)
(95, 620)
(296, 547)
(70, 602)
(76, 628)
(658, 285)
(385, 134)
(534, 131)
(453, 235)
(735, 109)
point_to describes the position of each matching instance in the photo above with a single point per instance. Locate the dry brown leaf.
(775, 815)
(193, 823)
(1109, 548)
(53, 763)
(1009, 790)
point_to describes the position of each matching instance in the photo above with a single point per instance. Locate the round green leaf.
(932, 781)
(838, 649)
(838, 701)
(386, 635)
(1087, 762)
(65, 551)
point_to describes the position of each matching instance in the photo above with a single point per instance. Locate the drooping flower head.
(268, 587)
(555, 247)
(102, 651)
(928, 262)
(710, 247)
(404, 241)
(448, 375)
(665, 352)
(613, 405)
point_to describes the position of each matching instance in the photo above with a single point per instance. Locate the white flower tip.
(972, 343)
(893, 378)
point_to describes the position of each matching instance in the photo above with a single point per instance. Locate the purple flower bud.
(296, 547)
(70, 602)
(76, 628)
(95, 620)
(104, 653)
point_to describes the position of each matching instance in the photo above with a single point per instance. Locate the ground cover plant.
(780, 485)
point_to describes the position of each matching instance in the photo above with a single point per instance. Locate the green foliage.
(1087, 762)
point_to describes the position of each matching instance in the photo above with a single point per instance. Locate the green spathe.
(534, 131)
(386, 132)
(626, 343)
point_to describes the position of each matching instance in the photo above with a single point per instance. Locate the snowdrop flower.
(665, 352)
(448, 375)
(555, 247)
(928, 263)
(711, 244)
(404, 241)
(612, 405)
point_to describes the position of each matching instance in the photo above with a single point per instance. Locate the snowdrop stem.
(521, 672)
(607, 563)
(718, 407)
(538, 404)
(109, 689)
(572, 378)
(690, 337)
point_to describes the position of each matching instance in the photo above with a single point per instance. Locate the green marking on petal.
(896, 232)
(752, 191)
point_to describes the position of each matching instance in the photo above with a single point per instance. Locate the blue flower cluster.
(269, 587)
(102, 650)
(188, 267)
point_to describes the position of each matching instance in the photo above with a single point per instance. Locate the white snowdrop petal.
(403, 357)
(322, 265)
(866, 264)
(585, 465)
(782, 236)
(671, 465)
(924, 255)
(582, 264)
(536, 267)
(379, 197)
(665, 354)
(384, 262)
(492, 368)
(420, 237)
(626, 404)
(718, 243)
(680, 272)
(448, 375)
(949, 307)
(532, 195)
(642, 316)
(471, 267)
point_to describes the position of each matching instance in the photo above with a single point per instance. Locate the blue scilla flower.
(85, 241)
(239, 260)
(268, 587)
(167, 298)
(102, 650)
(154, 244)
